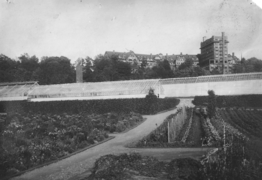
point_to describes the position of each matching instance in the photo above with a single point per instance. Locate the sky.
(81, 28)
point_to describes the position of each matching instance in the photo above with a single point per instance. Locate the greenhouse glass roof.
(16, 91)
(110, 89)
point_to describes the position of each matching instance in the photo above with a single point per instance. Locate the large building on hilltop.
(215, 56)
(174, 60)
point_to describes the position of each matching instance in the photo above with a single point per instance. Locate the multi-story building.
(174, 60)
(214, 53)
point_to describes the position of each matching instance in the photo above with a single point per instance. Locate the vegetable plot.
(189, 128)
(33, 139)
(173, 132)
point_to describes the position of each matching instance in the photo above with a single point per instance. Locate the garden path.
(84, 161)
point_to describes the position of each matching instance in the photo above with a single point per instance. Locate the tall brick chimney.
(79, 70)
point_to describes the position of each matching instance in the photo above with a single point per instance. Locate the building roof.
(125, 55)
(233, 57)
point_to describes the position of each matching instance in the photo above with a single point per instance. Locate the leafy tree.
(151, 73)
(88, 75)
(162, 70)
(7, 69)
(191, 72)
(187, 72)
(215, 71)
(56, 70)
(202, 63)
(243, 60)
(88, 70)
(139, 72)
(123, 70)
(144, 63)
(165, 64)
(211, 109)
(187, 64)
(198, 71)
(247, 66)
(238, 68)
(27, 68)
(111, 69)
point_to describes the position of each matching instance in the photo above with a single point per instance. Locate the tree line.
(50, 70)
(59, 70)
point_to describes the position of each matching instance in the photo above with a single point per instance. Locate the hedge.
(89, 106)
(232, 101)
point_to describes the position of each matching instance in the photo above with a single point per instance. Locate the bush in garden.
(185, 168)
(211, 108)
(126, 166)
(83, 144)
(135, 166)
(151, 102)
(4, 165)
(120, 126)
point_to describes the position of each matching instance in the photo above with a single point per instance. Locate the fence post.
(168, 138)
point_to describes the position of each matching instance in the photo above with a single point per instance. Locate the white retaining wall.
(220, 88)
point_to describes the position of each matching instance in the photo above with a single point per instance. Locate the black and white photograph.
(130, 89)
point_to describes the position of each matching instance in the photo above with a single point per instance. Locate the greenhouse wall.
(243, 87)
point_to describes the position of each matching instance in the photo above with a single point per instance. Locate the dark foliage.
(187, 64)
(211, 108)
(135, 166)
(232, 101)
(32, 139)
(55, 70)
(109, 69)
(163, 70)
(7, 69)
(89, 106)
(151, 102)
(246, 66)
(185, 168)
(236, 163)
(50, 70)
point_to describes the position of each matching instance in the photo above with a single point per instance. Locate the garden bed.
(135, 166)
(195, 131)
(59, 159)
(159, 137)
(35, 139)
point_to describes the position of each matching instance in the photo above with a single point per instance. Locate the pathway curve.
(84, 161)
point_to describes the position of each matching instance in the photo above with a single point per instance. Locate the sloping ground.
(136, 167)
(84, 161)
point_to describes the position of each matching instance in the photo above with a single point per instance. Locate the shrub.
(211, 108)
(151, 102)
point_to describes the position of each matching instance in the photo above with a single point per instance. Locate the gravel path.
(196, 132)
(84, 161)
